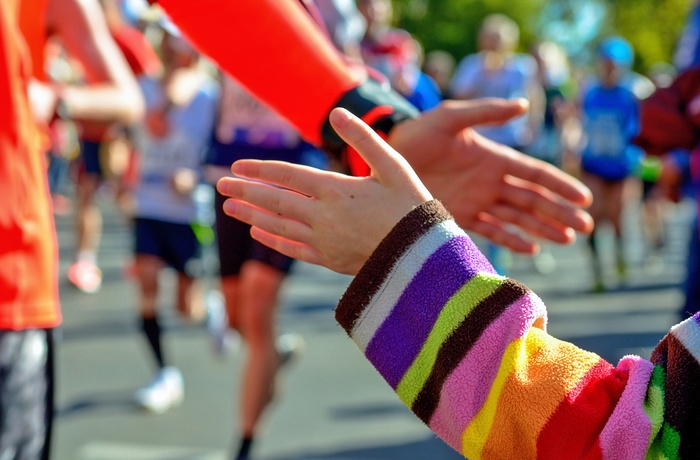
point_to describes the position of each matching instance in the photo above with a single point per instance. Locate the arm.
(469, 355)
(464, 348)
(112, 93)
(454, 161)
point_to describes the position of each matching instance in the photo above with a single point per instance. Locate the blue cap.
(618, 50)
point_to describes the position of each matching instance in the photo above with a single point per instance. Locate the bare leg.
(230, 291)
(615, 197)
(189, 300)
(88, 216)
(259, 290)
(597, 187)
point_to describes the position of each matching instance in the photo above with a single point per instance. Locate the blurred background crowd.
(591, 70)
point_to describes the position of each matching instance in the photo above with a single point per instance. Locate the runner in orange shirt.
(29, 305)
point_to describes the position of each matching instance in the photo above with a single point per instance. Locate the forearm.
(111, 93)
(466, 350)
(276, 51)
(102, 103)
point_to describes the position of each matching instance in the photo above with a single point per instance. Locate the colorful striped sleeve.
(467, 351)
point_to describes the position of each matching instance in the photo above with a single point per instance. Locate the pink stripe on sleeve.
(466, 390)
(627, 433)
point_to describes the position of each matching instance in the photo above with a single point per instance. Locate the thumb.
(383, 160)
(458, 115)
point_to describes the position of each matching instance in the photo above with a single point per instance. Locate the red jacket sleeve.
(277, 52)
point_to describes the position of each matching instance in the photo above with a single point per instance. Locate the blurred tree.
(574, 24)
(452, 25)
(652, 26)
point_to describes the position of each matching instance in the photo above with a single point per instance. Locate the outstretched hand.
(322, 217)
(491, 189)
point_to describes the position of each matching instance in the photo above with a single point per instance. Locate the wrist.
(377, 105)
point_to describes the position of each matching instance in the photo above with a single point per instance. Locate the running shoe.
(165, 391)
(85, 275)
(224, 339)
(290, 347)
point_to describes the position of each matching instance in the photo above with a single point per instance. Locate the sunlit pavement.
(332, 404)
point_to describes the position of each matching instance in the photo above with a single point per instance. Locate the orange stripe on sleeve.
(541, 381)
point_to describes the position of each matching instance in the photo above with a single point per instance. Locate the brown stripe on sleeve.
(456, 347)
(682, 392)
(365, 285)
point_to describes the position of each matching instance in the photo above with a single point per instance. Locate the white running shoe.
(85, 275)
(290, 347)
(224, 339)
(165, 391)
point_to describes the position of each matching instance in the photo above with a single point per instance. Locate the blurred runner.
(180, 111)
(610, 119)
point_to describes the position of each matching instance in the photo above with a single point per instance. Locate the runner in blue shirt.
(610, 119)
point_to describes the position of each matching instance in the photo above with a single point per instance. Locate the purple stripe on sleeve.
(696, 318)
(401, 336)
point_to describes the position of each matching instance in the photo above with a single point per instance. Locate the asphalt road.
(333, 404)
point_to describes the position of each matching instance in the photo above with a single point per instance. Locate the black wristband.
(362, 100)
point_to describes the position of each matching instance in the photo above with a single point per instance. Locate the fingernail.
(230, 207)
(340, 115)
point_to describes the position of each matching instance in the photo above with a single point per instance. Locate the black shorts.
(90, 158)
(175, 244)
(237, 246)
(26, 393)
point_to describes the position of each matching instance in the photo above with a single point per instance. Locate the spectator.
(498, 71)
(439, 65)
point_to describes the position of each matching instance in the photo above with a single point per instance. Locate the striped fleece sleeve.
(467, 351)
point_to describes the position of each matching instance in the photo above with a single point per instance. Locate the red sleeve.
(138, 52)
(275, 50)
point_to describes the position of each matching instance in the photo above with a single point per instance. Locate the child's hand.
(323, 217)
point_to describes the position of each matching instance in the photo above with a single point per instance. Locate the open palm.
(491, 189)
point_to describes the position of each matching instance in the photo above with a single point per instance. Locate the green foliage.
(652, 26)
(452, 25)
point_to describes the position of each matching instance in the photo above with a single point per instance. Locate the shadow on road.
(108, 402)
(612, 347)
(421, 449)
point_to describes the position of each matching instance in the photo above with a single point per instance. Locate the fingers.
(289, 248)
(552, 178)
(272, 223)
(274, 200)
(493, 229)
(457, 115)
(303, 179)
(381, 158)
(536, 226)
(536, 199)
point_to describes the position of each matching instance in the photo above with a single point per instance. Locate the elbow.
(134, 109)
